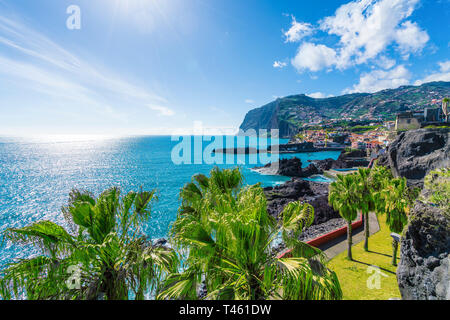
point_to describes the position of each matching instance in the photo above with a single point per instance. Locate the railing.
(326, 237)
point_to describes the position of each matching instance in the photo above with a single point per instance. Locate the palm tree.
(105, 250)
(369, 182)
(343, 197)
(445, 103)
(365, 200)
(396, 200)
(225, 234)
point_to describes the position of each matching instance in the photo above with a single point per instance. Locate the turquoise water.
(319, 178)
(36, 177)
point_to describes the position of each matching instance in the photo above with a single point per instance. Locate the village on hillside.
(369, 134)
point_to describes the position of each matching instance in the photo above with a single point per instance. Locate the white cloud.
(445, 66)
(162, 111)
(410, 38)
(298, 31)
(317, 95)
(313, 57)
(250, 101)
(442, 75)
(279, 64)
(385, 62)
(366, 28)
(379, 80)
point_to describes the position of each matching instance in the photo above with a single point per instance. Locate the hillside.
(289, 113)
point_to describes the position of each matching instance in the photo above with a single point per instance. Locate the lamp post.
(396, 237)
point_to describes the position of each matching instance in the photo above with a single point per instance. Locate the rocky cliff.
(424, 269)
(416, 152)
(289, 113)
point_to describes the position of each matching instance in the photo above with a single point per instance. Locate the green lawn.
(353, 275)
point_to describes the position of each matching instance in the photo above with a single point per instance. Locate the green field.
(353, 275)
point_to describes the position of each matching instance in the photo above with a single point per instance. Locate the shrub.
(437, 183)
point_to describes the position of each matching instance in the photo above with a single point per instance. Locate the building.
(390, 125)
(432, 114)
(408, 120)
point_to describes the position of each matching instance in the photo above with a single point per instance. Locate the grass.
(353, 275)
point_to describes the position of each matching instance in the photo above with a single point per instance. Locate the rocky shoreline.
(326, 219)
(289, 168)
(314, 193)
(294, 167)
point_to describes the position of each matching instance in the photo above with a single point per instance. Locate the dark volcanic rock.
(289, 168)
(345, 161)
(354, 153)
(416, 152)
(314, 193)
(161, 243)
(328, 164)
(322, 228)
(246, 150)
(424, 269)
(348, 159)
(310, 170)
(313, 232)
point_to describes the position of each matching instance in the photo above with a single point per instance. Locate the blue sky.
(155, 66)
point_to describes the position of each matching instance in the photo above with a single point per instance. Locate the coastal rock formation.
(424, 269)
(161, 242)
(289, 168)
(351, 159)
(327, 164)
(315, 193)
(416, 152)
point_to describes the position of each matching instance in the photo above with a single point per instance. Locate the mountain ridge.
(291, 112)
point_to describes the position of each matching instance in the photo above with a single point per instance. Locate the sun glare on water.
(53, 138)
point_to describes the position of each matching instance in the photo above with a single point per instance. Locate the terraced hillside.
(289, 113)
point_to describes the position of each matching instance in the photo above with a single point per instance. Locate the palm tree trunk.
(349, 240)
(394, 253)
(256, 293)
(366, 231)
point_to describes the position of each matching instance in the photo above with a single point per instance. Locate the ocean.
(36, 176)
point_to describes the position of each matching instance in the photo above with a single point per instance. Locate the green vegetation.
(437, 183)
(395, 201)
(349, 150)
(437, 127)
(365, 202)
(225, 233)
(370, 182)
(372, 190)
(363, 129)
(357, 191)
(343, 196)
(105, 251)
(297, 110)
(353, 275)
(445, 105)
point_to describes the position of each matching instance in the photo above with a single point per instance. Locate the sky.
(126, 67)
